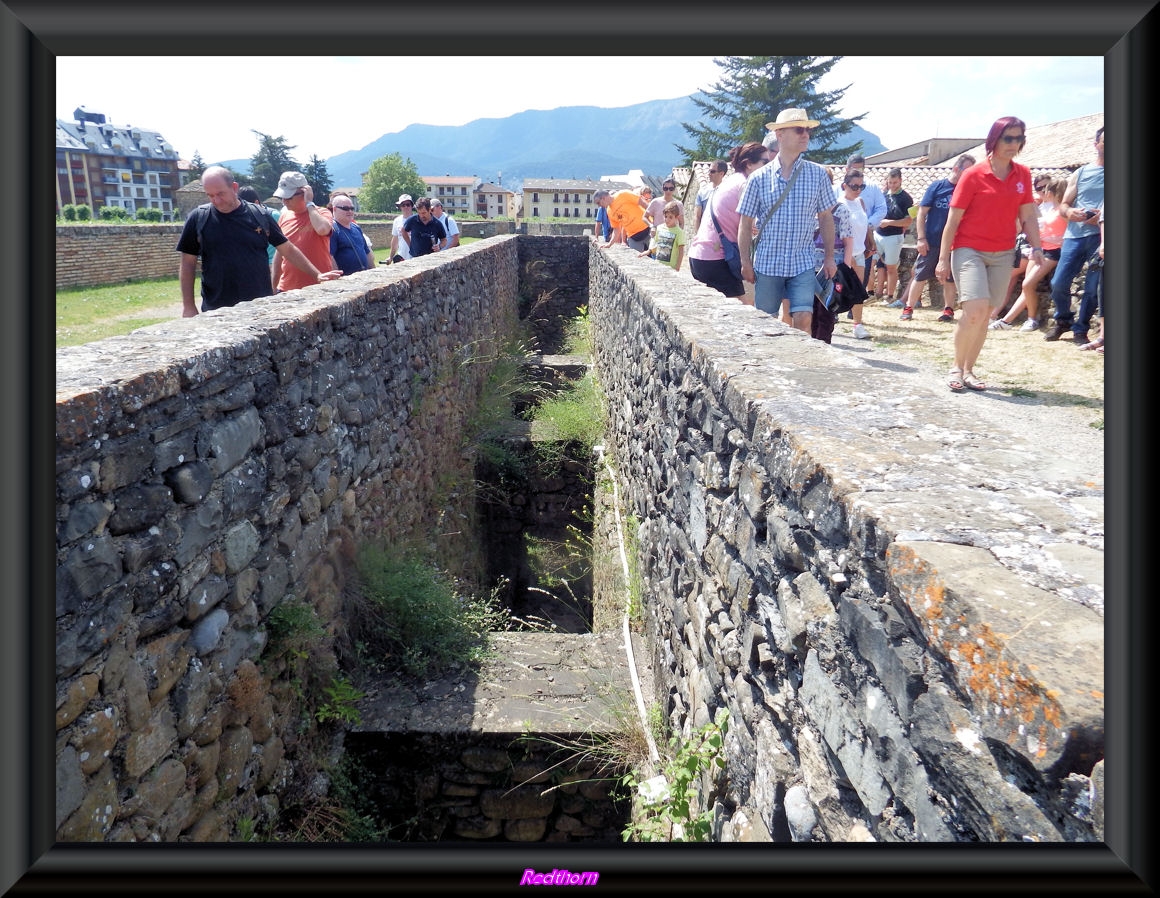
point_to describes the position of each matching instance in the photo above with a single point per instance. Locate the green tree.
(388, 177)
(753, 90)
(196, 167)
(319, 178)
(266, 165)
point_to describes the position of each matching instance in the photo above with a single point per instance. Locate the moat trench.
(499, 753)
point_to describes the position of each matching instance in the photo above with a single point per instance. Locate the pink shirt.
(706, 245)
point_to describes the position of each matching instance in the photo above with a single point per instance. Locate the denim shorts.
(769, 290)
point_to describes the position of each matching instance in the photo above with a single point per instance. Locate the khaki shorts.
(982, 275)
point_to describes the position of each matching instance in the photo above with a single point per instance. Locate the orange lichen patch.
(1099, 695)
(991, 677)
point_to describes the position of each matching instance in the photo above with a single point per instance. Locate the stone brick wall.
(210, 470)
(488, 787)
(96, 255)
(890, 639)
(93, 255)
(897, 658)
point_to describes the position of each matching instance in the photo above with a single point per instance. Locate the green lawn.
(86, 314)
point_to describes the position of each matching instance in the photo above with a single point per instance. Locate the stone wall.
(214, 469)
(487, 787)
(94, 255)
(896, 644)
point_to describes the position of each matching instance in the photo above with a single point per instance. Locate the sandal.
(1097, 343)
(956, 380)
(973, 382)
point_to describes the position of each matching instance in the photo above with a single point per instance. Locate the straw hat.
(791, 118)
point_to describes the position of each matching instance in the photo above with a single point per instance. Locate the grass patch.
(86, 314)
(413, 617)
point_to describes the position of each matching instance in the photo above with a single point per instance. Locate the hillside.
(568, 142)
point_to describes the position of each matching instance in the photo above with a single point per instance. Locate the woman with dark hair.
(991, 203)
(707, 261)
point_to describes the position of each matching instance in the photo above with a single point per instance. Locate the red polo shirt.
(990, 220)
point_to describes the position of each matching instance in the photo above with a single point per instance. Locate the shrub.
(84, 213)
(114, 213)
(148, 215)
(68, 212)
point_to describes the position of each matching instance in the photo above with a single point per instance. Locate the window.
(535, 211)
(575, 197)
(566, 215)
(556, 212)
(463, 191)
(535, 197)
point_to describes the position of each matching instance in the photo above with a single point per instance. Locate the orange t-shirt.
(315, 247)
(625, 212)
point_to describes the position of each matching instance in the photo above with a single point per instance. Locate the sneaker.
(907, 315)
(1031, 324)
(1000, 325)
(897, 304)
(947, 315)
(860, 333)
(1054, 332)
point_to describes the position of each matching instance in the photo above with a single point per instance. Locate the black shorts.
(924, 267)
(715, 273)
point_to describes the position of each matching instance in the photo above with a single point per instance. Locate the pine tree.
(753, 90)
(196, 167)
(266, 165)
(319, 179)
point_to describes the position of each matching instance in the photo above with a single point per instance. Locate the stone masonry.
(910, 649)
(908, 652)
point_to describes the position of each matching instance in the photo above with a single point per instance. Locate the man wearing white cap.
(787, 199)
(400, 250)
(306, 226)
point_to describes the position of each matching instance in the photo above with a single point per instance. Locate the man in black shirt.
(424, 232)
(231, 238)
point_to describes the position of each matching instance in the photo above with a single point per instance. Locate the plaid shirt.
(786, 247)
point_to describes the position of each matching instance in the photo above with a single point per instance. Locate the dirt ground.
(1022, 364)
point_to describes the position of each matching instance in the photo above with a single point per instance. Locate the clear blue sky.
(954, 97)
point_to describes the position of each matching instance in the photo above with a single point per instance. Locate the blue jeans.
(769, 290)
(1074, 252)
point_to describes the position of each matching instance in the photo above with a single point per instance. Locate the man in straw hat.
(786, 200)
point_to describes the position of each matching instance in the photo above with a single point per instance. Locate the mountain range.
(567, 142)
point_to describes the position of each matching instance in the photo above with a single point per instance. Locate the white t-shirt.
(402, 248)
(449, 225)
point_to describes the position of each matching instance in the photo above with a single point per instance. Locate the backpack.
(203, 216)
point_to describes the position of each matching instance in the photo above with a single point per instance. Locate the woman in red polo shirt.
(992, 202)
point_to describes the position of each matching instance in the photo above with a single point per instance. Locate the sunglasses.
(1012, 138)
(298, 194)
(402, 205)
(345, 208)
(856, 186)
(798, 129)
(1043, 185)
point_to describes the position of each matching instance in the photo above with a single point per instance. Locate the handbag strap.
(780, 200)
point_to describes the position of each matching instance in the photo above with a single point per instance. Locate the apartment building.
(457, 192)
(101, 164)
(563, 198)
(493, 201)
